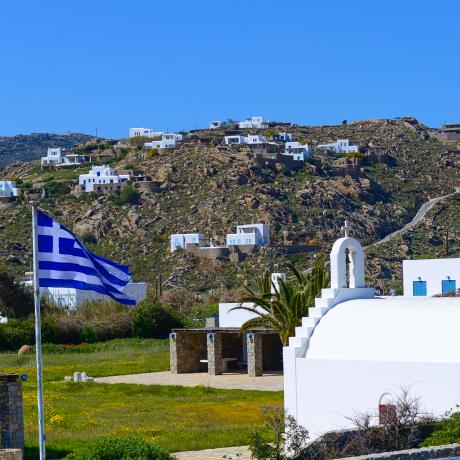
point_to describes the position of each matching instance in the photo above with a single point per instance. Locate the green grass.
(175, 418)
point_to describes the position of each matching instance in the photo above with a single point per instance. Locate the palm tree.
(283, 310)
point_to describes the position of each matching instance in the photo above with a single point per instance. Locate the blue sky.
(172, 65)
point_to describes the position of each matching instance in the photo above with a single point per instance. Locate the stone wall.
(186, 349)
(10, 454)
(11, 412)
(424, 453)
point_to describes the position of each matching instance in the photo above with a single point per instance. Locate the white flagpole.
(38, 338)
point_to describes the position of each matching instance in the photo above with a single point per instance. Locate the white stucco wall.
(235, 318)
(433, 271)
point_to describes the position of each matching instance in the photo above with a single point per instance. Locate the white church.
(356, 349)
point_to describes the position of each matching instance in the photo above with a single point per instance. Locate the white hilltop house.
(257, 234)
(355, 351)
(236, 139)
(253, 123)
(429, 277)
(297, 151)
(60, 157)
(256, 139)
(215, 124)
(341, 146)
(144, 132)
(168, 141)
(180, 240)
(8, 189)
(100, 175)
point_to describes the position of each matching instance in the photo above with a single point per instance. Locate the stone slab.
(228, 381)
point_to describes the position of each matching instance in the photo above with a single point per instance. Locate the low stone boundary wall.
(424, 453)
(10, 454)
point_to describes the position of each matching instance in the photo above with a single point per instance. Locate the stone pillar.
(186, 350)
(11, 412)
(254, 344)
(214, 353)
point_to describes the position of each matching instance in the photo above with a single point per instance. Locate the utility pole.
(447, 243)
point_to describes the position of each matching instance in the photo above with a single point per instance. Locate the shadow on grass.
(31, 452)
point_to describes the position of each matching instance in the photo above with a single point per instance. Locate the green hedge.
(92, 322)
(120, 448)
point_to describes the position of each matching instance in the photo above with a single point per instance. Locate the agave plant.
(282, 309)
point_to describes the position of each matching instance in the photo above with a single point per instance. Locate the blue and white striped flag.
(64, 262)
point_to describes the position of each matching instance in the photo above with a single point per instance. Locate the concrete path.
(228, 381)
(421, 213)
(231, 453)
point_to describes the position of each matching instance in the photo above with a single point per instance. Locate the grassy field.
(175, 418)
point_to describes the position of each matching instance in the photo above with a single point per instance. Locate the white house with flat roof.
(236, 139)
(144, 132)
(100, 175)
(429, 277)
(297, 151)
(354, 351)
(180, 240)
(168, 141)
(341, 146)
(54, 156)
(256, 234)
(8, 188)
(256, 139)
(215, 124)
(253, 123)
(283, 137)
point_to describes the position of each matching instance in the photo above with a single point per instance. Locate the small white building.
(181, 240)
(215, 124)
(254, 234)
(355, 349)
(236, 139)
(100, 175)
(429, 277)
(341, 146)
(54, 156)
(144, 132)
(253, 123)
(283, 137)
(256, 139)
(168, 141)
(297, 151)
(73, 298)
(8, 188)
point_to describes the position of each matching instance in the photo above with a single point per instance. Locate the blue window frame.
(448, 286)
(419, 288)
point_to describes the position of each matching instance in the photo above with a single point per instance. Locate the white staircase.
(329, 298)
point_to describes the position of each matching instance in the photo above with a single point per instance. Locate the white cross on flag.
(64, 262)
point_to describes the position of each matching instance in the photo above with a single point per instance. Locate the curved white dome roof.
(390, 329)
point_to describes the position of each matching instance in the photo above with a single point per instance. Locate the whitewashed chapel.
(355, 347)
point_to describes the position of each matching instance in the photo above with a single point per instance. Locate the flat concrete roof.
(223, 330)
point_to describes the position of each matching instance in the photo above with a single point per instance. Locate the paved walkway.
(216, 454)
(417, 218)
(228, 381)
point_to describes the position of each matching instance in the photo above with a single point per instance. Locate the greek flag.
(63, 262)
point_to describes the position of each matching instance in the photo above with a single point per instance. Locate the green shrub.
(14, 334)
(120, 448)
(16, 301)
(153, 320)
(88, 238)
(56, 189)
(129, 195)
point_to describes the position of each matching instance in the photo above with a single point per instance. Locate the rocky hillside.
(210, 188)
(33, 146)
